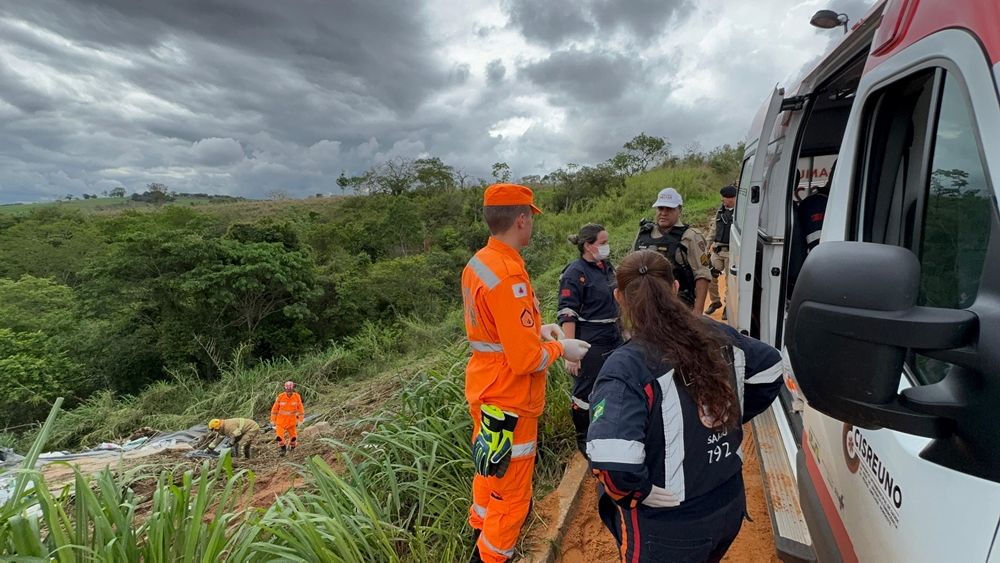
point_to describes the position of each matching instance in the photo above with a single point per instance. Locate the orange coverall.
(286, 413)
(507, 369)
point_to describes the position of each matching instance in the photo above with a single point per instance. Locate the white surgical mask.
(603, 251)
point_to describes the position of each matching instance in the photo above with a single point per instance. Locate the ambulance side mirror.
(852, 321)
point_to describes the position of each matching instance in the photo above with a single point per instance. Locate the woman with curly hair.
(666, 421)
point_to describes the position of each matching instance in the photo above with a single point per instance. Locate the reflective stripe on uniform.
(615, 450)
(522, 450)
(479, 510)
(740, 365)
(581, 403)
(598, 321)
(484, 273)
(814, 236)
(485, 346)
(770, 375)
(673, 435)
(567, 312)
(545, 360)
(493, 548)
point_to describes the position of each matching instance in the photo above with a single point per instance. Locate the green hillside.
(168, 317)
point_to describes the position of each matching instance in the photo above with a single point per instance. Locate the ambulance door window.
(895, 149)
(957, 218)
(743, 198)
(924, 186)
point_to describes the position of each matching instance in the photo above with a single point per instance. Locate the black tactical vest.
(723, 219)
(668, 245)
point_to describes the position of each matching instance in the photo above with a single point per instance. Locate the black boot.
(284, 450)
(713, 308)
(246, 451)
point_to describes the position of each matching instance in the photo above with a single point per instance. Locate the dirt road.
(588, 541)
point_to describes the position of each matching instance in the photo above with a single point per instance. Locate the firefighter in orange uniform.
(286, 414)
(505, 378)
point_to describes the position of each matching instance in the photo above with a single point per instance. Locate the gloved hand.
(572, 368)
(660, 498)
(552, 332)
(574, 350)
(715, 273)
(491, 450)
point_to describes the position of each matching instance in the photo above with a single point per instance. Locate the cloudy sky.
(252, 96)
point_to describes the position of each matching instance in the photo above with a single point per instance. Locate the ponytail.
(658, 318)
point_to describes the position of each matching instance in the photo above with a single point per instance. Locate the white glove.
(552, 332)
(574, 350)
(572, 368)
(660, 498)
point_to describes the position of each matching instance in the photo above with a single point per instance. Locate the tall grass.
(401, 492)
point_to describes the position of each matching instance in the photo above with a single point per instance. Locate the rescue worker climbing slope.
(505, 378)
(286, 414)
(666, 421)
(241, 431)
(588, 311)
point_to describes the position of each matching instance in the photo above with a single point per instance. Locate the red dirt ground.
(588, 541)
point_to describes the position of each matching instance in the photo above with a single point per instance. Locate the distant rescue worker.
(666, 421)
(240, 431)
(505, 378)
(588, 311)
(286, 415)
(681, 244)
(719, 259)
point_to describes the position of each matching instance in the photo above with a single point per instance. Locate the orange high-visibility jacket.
(503, 325)
(287, 411)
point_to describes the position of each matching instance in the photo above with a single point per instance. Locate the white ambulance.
(885, 446)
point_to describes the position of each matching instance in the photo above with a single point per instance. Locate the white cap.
(668, 198)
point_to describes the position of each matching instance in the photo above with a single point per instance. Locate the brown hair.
(500, 218)
(667, 325)
(587, 235)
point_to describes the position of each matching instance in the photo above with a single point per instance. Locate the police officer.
(588, 311)
(666, 421)
(681, 244)
(719, 259)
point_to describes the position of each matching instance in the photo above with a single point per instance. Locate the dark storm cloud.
(247, 97)
(589, 77)
(495, 72)
(554, 22)
(550, 22)
(179, 84)
(645, 18)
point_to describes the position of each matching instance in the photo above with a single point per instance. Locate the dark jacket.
(723, 220)
(586, 297)
(646, 430)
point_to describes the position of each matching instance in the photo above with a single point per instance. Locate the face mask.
(603, 251)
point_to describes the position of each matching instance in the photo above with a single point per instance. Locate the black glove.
(645, 225)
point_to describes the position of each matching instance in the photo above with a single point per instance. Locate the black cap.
(728, 191)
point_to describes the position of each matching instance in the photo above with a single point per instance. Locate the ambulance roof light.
(828, 19)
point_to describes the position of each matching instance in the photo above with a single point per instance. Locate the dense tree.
(501, 171)
(641, 152)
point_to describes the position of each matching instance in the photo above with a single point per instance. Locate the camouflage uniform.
(242, 431)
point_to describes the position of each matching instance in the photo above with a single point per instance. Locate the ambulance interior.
(822, 132)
